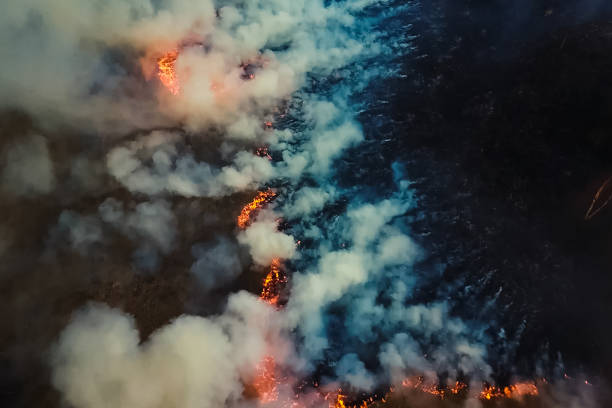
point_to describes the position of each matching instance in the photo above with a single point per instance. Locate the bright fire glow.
(488, 393)
(167, 73)
(339, 402)
(255, 204)
(418, 383)
(272, 283)
(265, 381)
(511, 391)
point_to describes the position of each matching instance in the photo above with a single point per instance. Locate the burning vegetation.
(458, 392)
(266, 381)
(245, 215)
(166, 71)
(419, 384)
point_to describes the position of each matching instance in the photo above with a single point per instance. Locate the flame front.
(489, 392)
(266, 382)
(255, 204)
(166, 71)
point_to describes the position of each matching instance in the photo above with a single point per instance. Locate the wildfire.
(419, 384)
(339, 401)
(458, 390)
(167, 73)
(489, 392)
(272, 283)
(266, 382)
(255, 204)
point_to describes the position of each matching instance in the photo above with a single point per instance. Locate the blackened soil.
(507, 131)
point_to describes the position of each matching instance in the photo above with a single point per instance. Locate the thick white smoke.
(192, 362)
(181, 174)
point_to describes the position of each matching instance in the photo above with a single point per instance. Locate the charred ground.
(508, 139)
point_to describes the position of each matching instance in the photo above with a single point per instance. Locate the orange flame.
(167, 73)
(339, 402)
(512, 391)
(419, 384)
(265, 383)
(255, 204)
(272, 283)
(458, 387)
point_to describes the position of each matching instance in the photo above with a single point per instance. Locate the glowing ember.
(272, 283)
(419, 384)
(488, 392)
(458, 387)
(339, 402)
(167, 73)
(512, 391)
(265, 382)
(263, 152)
(255, 204)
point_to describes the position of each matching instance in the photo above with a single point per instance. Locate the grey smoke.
(151, 226)
(28, 168)
(182, 175)
(82, 232)
(353, 371)
(216, 264)
(153, 222)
